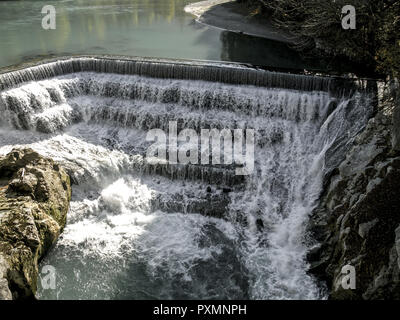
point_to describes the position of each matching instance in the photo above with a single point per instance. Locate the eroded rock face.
(34, 200)
(358, 220)
(396, 117)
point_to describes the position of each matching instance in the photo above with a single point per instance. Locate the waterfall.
(230, 73)
(170, 230)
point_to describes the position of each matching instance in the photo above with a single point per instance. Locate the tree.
(316, 24)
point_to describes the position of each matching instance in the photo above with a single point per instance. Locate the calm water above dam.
(149, 28)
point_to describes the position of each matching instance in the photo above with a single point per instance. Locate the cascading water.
(141, 231)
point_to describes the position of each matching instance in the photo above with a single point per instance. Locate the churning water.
(142, 231)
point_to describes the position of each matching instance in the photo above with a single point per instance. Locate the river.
(146, 28)
(172, 231)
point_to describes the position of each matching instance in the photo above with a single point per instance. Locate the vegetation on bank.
(317, 24)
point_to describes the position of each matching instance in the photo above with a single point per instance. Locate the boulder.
(34, 200)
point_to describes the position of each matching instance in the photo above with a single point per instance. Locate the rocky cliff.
(34, 199)
(357, 222)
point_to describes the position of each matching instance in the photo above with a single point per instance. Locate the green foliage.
(388, 52)
(317, 24)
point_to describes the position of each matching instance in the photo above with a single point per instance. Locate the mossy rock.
(35, 193)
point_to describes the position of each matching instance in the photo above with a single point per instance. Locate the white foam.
(112, 226)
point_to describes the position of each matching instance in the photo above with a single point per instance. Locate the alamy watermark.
(348, 280)
(48, 277)
(349, 18)
(213, 146)
(49, 20)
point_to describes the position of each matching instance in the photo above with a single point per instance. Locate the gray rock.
(396, 127)
(397, 243)
(5, 293)
(364, 228)
(34, 201)
(358, 218)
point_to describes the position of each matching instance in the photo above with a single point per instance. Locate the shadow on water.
(275, 55)
(261, 52)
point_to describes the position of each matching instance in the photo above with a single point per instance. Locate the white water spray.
(179, 231)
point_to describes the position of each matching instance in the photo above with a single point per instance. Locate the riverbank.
(253, 34)
(235, 17)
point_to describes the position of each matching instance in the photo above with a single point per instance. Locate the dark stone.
(357, 219)
(226, 190)
(396, 127)
(260, 225)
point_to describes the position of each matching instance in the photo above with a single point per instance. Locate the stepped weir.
(170, 230)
